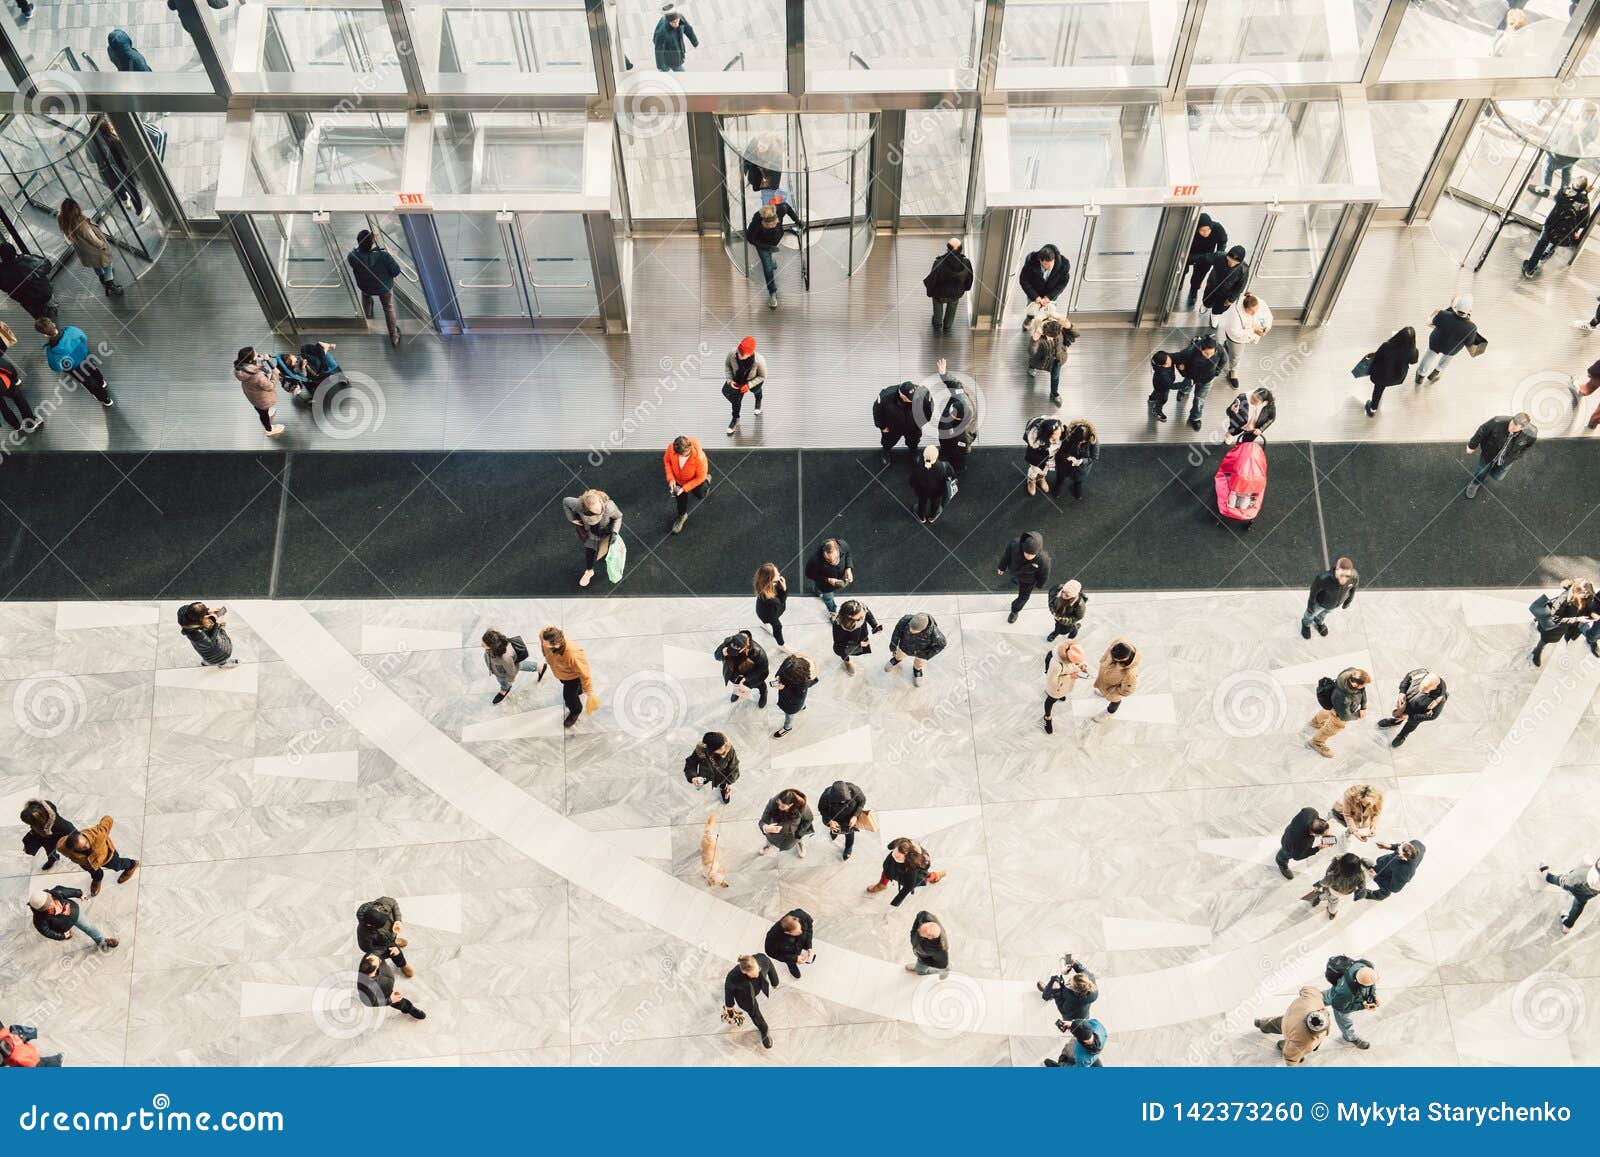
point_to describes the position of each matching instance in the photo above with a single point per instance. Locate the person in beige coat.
(1063, 667)
(258, 378)
(1358, 810)
(89, 243)
(1119, 674)
(1304, 1025)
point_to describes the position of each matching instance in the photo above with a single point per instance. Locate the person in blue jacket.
(67, 351)
(1084, 1049)
(671, 31)
(1393, 871)
(124, 56)
(375, 270)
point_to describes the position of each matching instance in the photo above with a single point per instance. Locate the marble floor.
(550, 880)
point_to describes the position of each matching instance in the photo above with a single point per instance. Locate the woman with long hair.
(1567, 613)
(786, 822)
(772, 598)
(796, 676)
(206, 629)
(1080, 450)
(1389, 364)
(89, 243)
(598, 521)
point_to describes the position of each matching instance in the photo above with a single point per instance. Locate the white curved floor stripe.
(1235, 982)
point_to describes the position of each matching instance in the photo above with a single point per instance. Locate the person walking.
(1452, 328)
(17, 1050)
(688, 472)
(1582, 883)
(1064, 665)
(1073, 989)
(1303, 1026)
(786, 821)
(90, 245)
(375, 271)
(1067, 607)
(93, 850)
(56, 913)
(598, 521)
(918, 636)
(25, 279)
(840, 807)
(751, 978)
(958, 421)
(1389, 364)
(1346, 875)
(744, 372)
(1250, 414)
(1163, 377)
(713, 763)
(947, 282)
(764, 233)
(1499, 442)
(1341, 700)
(1564, 615)
(1041, 438)
(378, 932)
(930, 947)
(668, 39)
(258, 378)
(14, 406)
(908, 866)
(115, 167)
(66, 351)
(1422, 698)
(1198, 366)
(930, 485)
(1118, 676)
(375, 988)
(1563, 224)
(506, 657)
(1044, 278)
(772, 599)
(1209, 239)
(1084, 1049)
(829, 572)
(1027, 564)
(796, 676)
(744, 666)
(1306, 835)
(1047, 353)
(1243, 324)
(1354, 989)
(206, 628)
(1331, 590)
(851, 628)
(47, 827)
(789, 940)
(566, 661)
(1225, 281)
(899, 412)
(1079, 451)
(1394, 870)
(123, 55)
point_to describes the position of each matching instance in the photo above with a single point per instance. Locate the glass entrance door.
(1284, 245)
(1109, 249)
(511, 270)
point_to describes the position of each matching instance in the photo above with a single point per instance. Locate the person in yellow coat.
(1304, 1025)
(1119, 674)
(566, 661)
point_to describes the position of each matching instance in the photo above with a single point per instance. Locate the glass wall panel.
(1248, 41)
(937, 163)
(147, 35)
(655, 159)
(1109, 255)
(328, 42)
(548, 37)
(1517, 39)
(1087, 43)
(748, 36)
(915, 35)
(193, 155)
(511, 152)
(328, 152)
(1058, 148)
(1260, 140)
(1404, 135)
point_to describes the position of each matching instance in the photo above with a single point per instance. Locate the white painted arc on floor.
(1234, 983)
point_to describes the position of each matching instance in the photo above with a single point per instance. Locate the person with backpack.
(13, 403)
(1422, 699)
(899, 412)
(1453, 328)
(1026, 562)
(17, 1050)
(25, 279)
(1342, 700)
(744, 666)
(713, 763)
(375, 988)
(958, 422)
(852, 625)
(1353, 988)
(206, 629)
(1331, 590)
(947, 282)
(744, 372)
(67, 352)
(47, 827)
(1041, 438)
(375, 271)
(506, 656)
(378, 932)
(1197, 366)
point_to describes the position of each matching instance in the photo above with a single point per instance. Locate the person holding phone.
(1307, 834)
(206, 629)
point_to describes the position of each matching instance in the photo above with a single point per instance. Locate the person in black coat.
(56, 913)
(1209, 238)
(786, 821)
(713, 763)
(667, 40)
(828, 571)
(796, 676)
(1389, 363)
(1562, 225)
(930, 947)
(946, 282)
(899, 412)
(1080, 450)
(930, 484)
(378, 932)
(1073, 990)
(1393, 871)
(46, 829)
(1499, 442)
(744, 666)
(1306, 835)
(840, 807)
(375, 988)
(789, 940)
(906, 864)
(916, 635)
(1250, 414)
(375, 271)
(1198, 366)
(958, 422)
(851, 627)
(772, 598)
(1226, 280)
(1027, 563)
(1422, 699)
(747, 981)
(1163, 376)
(1331, 590)
(25, 279)
(1044, 277)
(1452, 328)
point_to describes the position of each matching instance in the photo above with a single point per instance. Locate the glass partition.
(743, 37)
(547, 38)
(1404, 135)
(856, 35)
(1265, 141)
(1251, 41)
(938, 162)
(521, 152)
(327, 152)
(329, 43)
(1440, 38)
(1087, 43)
(655, 159)
(1074, 147)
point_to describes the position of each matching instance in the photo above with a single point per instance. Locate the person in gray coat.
(743, 372)
(598, 521)
(930, 947)
(786, 822)
(1583, 882)
(506, 656)
(919, 637)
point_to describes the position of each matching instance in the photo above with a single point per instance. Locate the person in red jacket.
(687, 473)
(17, 1050)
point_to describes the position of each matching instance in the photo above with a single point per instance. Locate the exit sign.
(410, 201)
(1185, 190)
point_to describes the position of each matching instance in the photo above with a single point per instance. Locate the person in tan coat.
(1304, 1025)
(89, 243)
(1358, 810)
(92, 850)
(258, 378)
(1063, 667)
(566, 661)
(1119, 674)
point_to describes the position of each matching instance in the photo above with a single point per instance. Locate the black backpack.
(518, 648)
(1340, 966)
(1325, 688)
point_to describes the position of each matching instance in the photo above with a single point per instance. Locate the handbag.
(1543, 610)
(8, 336)
(733, 1016)
(866, 821)
(1476, 344)
(951, 488)
(616, 558)
(591, 704)
(1362, 367)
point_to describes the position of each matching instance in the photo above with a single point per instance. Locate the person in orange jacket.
(17, 1050)
(688, 472)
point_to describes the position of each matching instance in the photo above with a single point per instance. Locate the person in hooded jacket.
(918, 636)
(786, 821)
(25, 279)
(375, 988)
(1209, 239)
(506, 657)
(1562, 224)
(1026, 563)
(852, 625)
(206, 628)
(750, 978)
(839, 807)
(1163, 378)
(930, 485)
(947, 282)
(1064, 665)
(1581, 883)
(378, 932)
(668, 39)
(66, 352)
(47, 827)
(899, 412)
(1225, 280)
(958, 421)
(744, 372)
(789, 940)
(1198, 366)
(124, 56)
(375, 271)
(1044, 278)
(1079, 451)
(1041, 438)
(744, 666)
(1389, 363)
(1068, 605)
(1393, 871)
(930, 947)
(906, 864)
(1452, 328)
(1118, 676)
(258, 378)
(713, 763)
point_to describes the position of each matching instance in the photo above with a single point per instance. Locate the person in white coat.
(1064, 665)
(1242, 324)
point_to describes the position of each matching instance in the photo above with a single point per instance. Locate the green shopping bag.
(616, 558)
